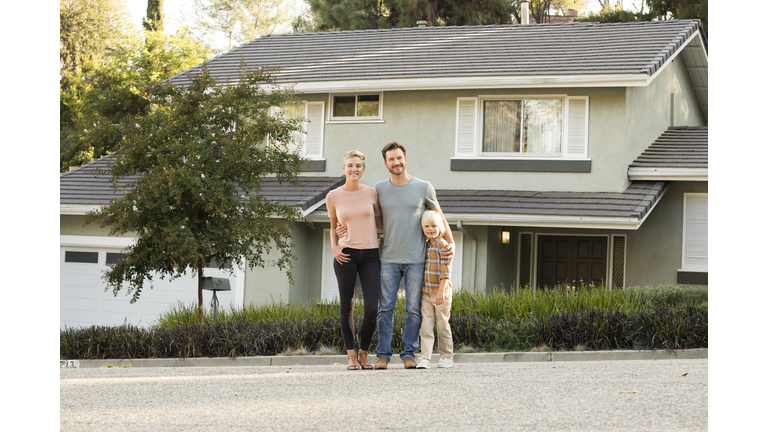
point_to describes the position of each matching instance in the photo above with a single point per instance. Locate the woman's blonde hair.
(432, 217)
(354, 153)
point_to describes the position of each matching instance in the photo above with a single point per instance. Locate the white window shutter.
(695, 244)
(577, 126)
(466, 127)
(314, 126)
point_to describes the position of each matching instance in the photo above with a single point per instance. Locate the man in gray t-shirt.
(403, 198)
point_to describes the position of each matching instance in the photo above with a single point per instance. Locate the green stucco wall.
(425, 122)
(654, 252)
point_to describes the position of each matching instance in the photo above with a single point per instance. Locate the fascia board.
(545, 221)
(451, 83)
(694, 36)
(305, 213)
(527, 220)
(666, 174)
(77, 209)
(95, 241)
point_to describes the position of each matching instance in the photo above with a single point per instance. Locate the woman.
(356, 206)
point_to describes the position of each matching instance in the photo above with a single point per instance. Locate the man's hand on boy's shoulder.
(447, 253)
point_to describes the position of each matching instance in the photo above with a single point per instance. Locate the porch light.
(505, 237)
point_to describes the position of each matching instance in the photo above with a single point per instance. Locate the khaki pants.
(432, 314)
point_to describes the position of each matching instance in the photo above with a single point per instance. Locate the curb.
(324, 360)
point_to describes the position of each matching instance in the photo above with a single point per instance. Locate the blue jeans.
(391, 274)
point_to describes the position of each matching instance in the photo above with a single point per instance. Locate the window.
(81, 257)
(519, 128)
(695, 222)
(359, 107)
(310, 139)
(514, 127)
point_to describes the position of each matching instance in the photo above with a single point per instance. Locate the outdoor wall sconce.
(505, 237)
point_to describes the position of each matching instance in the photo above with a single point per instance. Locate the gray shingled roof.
(86, 186)
(677, 147)
(469, 51)
(634, 203)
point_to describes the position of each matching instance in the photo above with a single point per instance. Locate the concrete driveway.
(639, 395)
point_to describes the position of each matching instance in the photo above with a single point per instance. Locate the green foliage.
(241, 21)
(332, 15)
(665, 317)
(615, 16)
(197, 195)
(606, 330)
(119, 87)
(154, 18)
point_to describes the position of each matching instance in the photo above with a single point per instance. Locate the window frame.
(356, 119)
(462, 151)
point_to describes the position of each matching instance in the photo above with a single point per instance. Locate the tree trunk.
(155, 14)
(200, 290)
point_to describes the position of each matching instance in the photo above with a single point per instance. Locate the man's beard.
(393, 169)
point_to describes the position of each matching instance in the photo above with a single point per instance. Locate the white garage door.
(83, 301)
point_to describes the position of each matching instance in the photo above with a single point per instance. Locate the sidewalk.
(321, 360)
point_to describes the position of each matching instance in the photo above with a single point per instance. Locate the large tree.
(138, 59)
(241, 21)
(197, 152)
(331, 15)
(88, 30)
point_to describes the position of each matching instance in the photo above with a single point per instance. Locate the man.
(403, 198)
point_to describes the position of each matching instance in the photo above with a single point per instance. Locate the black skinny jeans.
(364, 262)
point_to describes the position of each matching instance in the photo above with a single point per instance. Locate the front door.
(571, 260)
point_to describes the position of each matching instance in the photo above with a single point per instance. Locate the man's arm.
(448, 236)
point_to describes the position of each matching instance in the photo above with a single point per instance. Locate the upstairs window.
(521, 127)
(529, 126)
(358, 107)
(309, 141)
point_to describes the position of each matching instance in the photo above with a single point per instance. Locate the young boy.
(435, 295)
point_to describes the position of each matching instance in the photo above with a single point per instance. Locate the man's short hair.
(432, 217)
(392, 146)
(354, 153)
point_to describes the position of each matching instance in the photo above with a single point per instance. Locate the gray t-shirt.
(401, 208)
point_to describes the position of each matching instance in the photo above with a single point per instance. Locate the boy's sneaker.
(445, 363)
(423, 364)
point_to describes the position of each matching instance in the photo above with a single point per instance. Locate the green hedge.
(591, 330)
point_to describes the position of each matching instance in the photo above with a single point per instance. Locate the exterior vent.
(421, 23)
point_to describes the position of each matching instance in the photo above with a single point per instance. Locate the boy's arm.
(440, 297)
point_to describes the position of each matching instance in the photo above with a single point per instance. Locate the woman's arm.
(340, 256)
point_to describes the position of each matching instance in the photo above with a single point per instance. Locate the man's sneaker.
(409, 363)
(423, 364)
(445, 363)
(381, 362)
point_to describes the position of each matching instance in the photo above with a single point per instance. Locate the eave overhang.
(668, 174)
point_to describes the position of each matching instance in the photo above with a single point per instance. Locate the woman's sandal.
(362, 359)
(354, 366)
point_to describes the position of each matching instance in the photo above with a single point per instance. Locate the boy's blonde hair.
(354, 153)
(432, 217)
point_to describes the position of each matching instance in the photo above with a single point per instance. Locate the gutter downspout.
(474, 255)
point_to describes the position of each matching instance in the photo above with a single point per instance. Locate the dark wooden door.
(571, 260)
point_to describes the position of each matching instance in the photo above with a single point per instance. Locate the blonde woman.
(356, 254)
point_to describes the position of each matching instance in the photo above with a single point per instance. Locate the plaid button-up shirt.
(435, 268)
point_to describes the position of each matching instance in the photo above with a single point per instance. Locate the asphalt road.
(641, 395)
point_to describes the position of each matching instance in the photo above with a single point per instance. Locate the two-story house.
(561, 153)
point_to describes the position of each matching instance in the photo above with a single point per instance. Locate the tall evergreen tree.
(154, 19)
